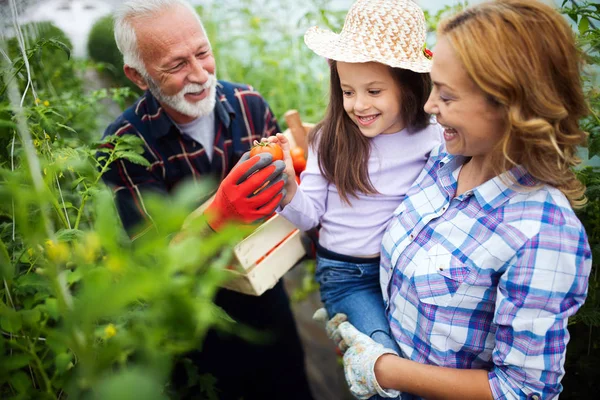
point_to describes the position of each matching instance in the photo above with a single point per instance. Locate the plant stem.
(111, 158)
(80, 212)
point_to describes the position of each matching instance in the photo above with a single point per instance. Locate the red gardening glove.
(252, 191)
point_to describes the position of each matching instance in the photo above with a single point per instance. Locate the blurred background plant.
(583, 353)
(85, 313)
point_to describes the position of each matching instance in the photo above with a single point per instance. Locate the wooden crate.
(264, 256)
(260, 274)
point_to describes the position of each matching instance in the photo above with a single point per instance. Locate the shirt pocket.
(439, 277)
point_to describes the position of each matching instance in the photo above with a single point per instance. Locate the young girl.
(365, 154)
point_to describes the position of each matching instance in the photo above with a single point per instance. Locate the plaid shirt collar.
(163, 124)
(491, 194)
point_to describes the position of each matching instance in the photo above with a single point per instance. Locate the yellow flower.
(37, 143)
(255, 22)
(37, 101)
(30, 252)
(46, 103)
(110, 331)
(57, 251)
(89, 248)
(114, 264)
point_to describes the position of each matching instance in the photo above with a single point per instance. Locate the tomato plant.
(264, 147)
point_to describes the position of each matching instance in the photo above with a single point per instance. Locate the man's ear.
(135, 77)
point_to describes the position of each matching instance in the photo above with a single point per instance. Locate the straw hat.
(390, 32)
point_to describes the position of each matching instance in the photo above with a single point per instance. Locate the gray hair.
(125, 35)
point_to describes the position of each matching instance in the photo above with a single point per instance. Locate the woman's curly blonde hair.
(523, 55)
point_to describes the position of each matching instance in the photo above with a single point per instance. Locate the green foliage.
(583, 353)
(433, 19)
(269, 53)
(103, 49)
(83, 311)
(48, 50)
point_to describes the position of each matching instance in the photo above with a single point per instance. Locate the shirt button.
(412, 236)
(441, 268)
(534, 396)
(443, 208)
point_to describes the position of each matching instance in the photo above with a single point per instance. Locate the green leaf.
(7, 124)
(208, 386)
(31, 317)
(60, 45)
(134, 158)
(594, 146)
(67, 128)
(52, 308)
(74, 276)
(584, 25)
(63, 362)
(7, 268)
(21, 382)
(33, 282)
(573, 16)
(76, 182)
(118, 386)
(16, 361)
(11, 322)
(69, 235)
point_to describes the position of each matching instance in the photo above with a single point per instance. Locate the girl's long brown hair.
(343, 151)
(522, 54)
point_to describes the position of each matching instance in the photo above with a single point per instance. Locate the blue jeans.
(350, 285)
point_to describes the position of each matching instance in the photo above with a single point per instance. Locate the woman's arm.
(372, 369)
(430, 381)
(544, 284)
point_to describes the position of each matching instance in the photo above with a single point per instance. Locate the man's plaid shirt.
(487, 279)
(241, 116)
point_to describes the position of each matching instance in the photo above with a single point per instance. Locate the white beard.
(180, 104)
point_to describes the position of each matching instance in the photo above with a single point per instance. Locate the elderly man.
(193, 127)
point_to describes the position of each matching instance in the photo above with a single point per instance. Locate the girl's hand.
(291, 185)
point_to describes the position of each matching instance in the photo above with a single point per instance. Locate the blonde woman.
(485, 260)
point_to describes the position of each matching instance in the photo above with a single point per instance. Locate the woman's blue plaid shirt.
(486, 279)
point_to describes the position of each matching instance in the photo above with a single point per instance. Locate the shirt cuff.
(388, 393)
(501, 387)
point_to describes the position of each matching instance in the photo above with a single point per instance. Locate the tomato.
(297, 152)
(298, 159)
(299, 164)
(273, 148)
(297, 179)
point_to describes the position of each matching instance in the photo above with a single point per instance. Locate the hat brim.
(334, 47)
